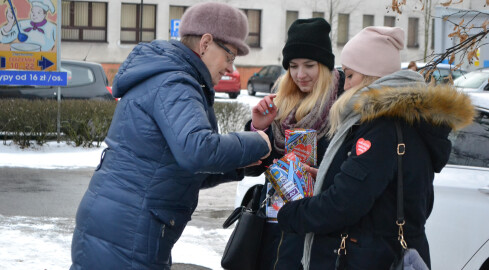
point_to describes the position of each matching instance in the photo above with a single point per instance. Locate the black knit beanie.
(309, 38)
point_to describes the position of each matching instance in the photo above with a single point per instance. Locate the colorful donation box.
(303, 142)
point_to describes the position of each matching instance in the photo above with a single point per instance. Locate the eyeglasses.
(233, 56)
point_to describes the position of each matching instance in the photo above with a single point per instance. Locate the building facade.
(106, 31)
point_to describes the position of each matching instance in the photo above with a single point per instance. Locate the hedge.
(83, 122)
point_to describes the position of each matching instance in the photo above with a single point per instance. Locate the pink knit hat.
(374, 51)
(222, 21)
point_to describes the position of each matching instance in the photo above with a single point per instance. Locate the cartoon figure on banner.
(34, 34)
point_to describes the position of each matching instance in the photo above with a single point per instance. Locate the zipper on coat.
(278, 250)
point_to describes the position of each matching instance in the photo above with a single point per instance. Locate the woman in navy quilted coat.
(163, 145)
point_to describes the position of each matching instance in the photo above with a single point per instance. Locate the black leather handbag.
(241, 252)
(408, 258)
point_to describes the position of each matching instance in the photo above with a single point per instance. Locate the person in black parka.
(305, 94)
(356, 185)
(163, 145)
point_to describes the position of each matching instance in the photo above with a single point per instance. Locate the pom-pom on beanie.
(224, 22)
(374, 51)
(309, 38)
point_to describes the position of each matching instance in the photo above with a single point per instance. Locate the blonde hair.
(340, 104)
(289, 96)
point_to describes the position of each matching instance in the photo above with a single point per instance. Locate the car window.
(263, 71)
(439, 74)
(470, 146)
(444, 72)
(471, 80)
(456, 73)
(275, 71)
(78, 75)
(270, 71)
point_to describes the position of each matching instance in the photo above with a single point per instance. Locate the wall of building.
(445, 27)
(273, 30)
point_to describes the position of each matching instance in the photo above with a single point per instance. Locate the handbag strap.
(401, 150)
(252, 207)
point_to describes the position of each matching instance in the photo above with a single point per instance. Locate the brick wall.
(245, 73)
(111, 71)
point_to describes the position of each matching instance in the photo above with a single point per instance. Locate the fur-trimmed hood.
(437, 105)
(433, 110)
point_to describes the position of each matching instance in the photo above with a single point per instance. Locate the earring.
(202, 53)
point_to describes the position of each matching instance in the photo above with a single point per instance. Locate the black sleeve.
(363, 177)
(216, 179)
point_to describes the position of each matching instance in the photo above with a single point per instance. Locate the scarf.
(316, 119)
(349, 118)
(36, 26)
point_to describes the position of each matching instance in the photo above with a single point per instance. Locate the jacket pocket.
(354, 170)
(368, 257)
(166, 227)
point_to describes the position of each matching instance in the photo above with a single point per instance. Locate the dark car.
(86, 80)
(263, 80)
(230, 83)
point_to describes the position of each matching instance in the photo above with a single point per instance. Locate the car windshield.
(471, 80)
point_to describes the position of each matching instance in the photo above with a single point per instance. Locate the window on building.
(343, 26)
(176, 13)
(131, 30)
(254, 27)
(84, 21)
(413, 28)
(368, 20)
(317, 14)
(389, 21)
(290, 17)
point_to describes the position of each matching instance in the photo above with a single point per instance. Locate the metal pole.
(141, 22)
(58, 68)
(58, 117)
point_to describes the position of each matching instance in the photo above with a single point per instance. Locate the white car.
(475, 81)
(458, 228)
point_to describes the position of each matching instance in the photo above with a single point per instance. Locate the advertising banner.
(28, 38)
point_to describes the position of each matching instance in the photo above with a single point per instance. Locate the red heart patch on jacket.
(362, 146)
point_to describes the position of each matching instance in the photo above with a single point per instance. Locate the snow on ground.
(44, 243)
(242, 98)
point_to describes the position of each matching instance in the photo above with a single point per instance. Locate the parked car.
(86, 80)
(230, 83)
(457, 230)
(264, 80)
(475, 81)
(440, 74)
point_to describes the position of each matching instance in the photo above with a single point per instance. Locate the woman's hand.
(263, 114)
(313, 171)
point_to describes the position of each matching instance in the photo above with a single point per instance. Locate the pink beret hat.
(224, 22)
(374, 51)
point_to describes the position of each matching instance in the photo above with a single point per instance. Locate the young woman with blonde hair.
(305, 94)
